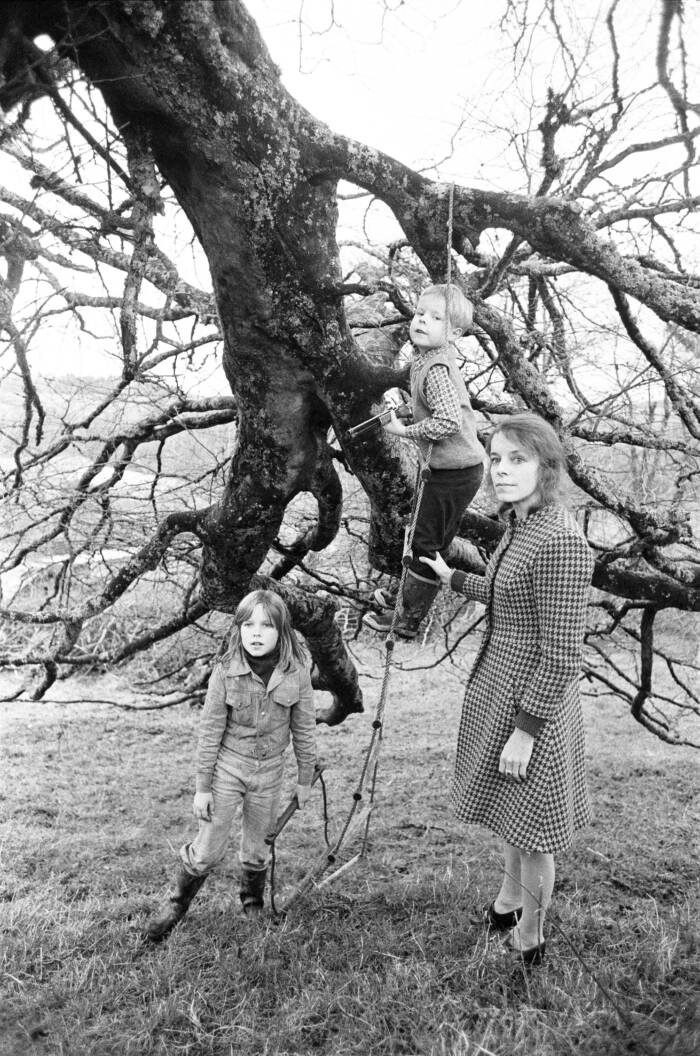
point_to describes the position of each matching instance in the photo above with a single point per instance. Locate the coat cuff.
(457, 581)
(203, 783)
(531, 724)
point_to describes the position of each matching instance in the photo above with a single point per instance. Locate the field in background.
(391, 958)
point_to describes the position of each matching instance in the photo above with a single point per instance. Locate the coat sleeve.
(472, 586)
(212, 726)
(303, 729)
(561, 581)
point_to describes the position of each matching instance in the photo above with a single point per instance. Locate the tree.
(200, 111)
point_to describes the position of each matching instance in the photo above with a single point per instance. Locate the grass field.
(391, 957)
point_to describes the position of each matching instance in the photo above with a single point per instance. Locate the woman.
(520, 751)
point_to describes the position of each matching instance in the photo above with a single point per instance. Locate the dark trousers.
(446, 496)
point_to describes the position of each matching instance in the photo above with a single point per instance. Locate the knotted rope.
(370, 762)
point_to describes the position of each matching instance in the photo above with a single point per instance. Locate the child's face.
(427, 328)
(258, 633)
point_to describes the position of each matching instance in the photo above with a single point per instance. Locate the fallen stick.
(343, 869)
(324, 861)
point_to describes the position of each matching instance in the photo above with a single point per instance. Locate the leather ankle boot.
(185, 887)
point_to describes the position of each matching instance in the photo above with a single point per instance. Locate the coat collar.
(512, 521)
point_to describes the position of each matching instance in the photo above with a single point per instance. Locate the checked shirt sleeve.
(445, 410)
(561, 582)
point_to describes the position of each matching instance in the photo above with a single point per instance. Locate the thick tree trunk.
(195, 82)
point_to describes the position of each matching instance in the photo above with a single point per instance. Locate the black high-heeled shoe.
(530, 957)
(496, 921)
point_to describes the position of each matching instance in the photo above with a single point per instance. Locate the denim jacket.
(241, 715)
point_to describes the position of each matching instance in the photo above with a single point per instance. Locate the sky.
(403, 75)
(397, 79)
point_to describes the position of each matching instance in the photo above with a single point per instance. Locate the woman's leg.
(510, 896)
(537, 881)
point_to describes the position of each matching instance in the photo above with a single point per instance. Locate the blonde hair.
(460, 308)
(539, 438)
(291, 652)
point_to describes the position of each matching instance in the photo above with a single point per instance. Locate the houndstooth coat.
(535, 591)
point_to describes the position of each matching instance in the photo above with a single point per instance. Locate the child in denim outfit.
(444, 427)
(259, 694)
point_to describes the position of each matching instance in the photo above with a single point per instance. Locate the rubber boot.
(185, 887)
(252, 888)
(416, 601)
(417, 597)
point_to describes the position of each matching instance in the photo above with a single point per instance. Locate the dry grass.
(389, 959)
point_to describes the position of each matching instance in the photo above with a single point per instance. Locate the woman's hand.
(516, 755)
(303, 792)
(439, 566)
(203, 806)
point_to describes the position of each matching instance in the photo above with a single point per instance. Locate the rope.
(371, 758)
(423, 474)
(378, 722)
(448, 269)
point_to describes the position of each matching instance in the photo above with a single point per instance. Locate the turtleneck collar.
(263, 666)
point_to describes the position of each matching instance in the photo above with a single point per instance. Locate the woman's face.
(515, 473)
(259, 635)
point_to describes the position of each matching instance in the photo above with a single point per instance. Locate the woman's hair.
(290, 649)
(461, 310)
(538, 437)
